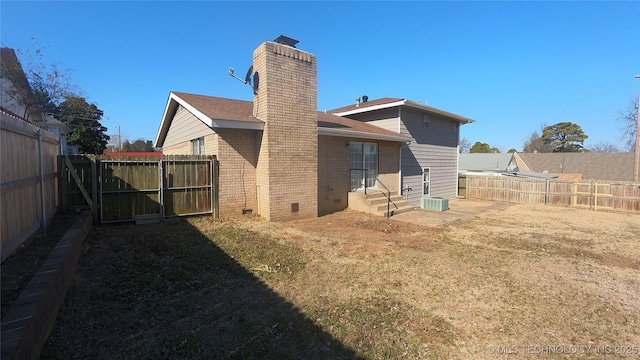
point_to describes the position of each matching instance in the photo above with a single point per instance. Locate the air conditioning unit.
(434, 203)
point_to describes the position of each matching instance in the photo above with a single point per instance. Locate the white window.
(197, 146)
(426, 181)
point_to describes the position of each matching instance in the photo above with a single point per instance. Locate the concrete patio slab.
(459, 209)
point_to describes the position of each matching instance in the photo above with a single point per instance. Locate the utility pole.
(119, 142)
(636, 162)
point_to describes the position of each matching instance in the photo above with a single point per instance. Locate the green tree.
(126, 146)
(564, 137)
(142, 146)
(512, 150)
(479, 147)
(84, 120)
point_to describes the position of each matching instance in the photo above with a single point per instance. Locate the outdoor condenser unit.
(434, 203)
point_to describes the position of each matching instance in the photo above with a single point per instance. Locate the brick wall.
(183, 148)
(237, 156)
(334, 175)
(388, 170)
(286, 101)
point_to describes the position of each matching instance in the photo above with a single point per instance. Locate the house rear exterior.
(429, 164)
(279, 157)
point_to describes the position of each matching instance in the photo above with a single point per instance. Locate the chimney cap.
(285, 40)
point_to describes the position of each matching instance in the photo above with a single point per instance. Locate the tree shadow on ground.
(168, 291)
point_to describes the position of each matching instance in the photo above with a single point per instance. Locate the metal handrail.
(388, 197)
(388, 194)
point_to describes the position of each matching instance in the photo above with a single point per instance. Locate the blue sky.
(511, 66)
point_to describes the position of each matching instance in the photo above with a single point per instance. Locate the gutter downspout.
(458, 164)
(400, 165)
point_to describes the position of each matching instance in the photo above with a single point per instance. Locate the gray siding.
(185, 127)
(387, 119)
(435, 147)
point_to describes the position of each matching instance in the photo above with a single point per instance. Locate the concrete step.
(383, 200)
(375, 203)
(399, 210)
(373, 194)
(399, 204)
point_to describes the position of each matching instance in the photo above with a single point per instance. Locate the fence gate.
(144, 190)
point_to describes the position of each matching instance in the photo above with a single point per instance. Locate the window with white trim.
(197, 146)
(426, 181)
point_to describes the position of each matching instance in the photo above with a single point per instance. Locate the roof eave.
(430, 109)
(232, 124)
(362, 135)
(175, 100)
(410, 103)
(360, 110)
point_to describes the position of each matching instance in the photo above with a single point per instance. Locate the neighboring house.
(429, 164)
(16, 97)
(578, 166)
(279, 157)
(60, 130)
(17, 101)
(487, 163)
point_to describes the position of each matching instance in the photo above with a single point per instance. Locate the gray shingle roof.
(495, 162)
(598, 166)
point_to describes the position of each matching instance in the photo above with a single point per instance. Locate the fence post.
(43, 211)
(595, 195)
(486, 187)
(547, 188)
(94, 189)
(591, 195)
(161, 187)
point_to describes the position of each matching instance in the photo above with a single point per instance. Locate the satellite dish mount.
(247, 78)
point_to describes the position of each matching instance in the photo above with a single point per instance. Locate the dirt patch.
(349, 285)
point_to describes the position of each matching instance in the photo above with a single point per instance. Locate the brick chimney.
(286, 100)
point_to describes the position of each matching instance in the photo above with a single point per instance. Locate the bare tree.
(604, 147)
(465, 145)
(535, 144)
(629, 127)
(50, 84)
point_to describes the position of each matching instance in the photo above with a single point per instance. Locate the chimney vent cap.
(285, 40)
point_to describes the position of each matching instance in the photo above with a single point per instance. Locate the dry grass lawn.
(532, 281)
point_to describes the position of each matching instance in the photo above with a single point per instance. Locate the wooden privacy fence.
(591, 194)
(140, 189)
(28, 195)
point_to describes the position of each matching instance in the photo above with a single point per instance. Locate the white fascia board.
(410, 103)
(202, 117)
(433, 110)
(370, 108)
(361, 135)
(164, 123)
